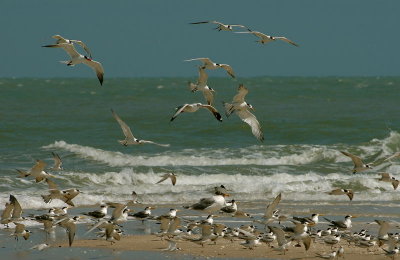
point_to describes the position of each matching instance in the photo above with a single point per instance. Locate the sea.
(306, 122)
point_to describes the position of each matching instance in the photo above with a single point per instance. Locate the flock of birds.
(174, 228)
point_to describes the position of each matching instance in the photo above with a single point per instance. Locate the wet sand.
(223, 249)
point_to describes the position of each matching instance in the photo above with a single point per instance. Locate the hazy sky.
(151, 38)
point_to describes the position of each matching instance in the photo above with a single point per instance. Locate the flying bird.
(129, 138)
(359, 166)
(349, 193)
(210, 65)
(263, 38)
(222, 26)
(385, 177)
(241, 109)
(57, 162)
(171, 176)
(37, 171)
(191, 108)
(77, 58)
(61, 39)
(202, 86)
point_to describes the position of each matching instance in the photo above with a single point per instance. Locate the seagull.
(37, 171)
(171, 176)
(348, 192)
(129, 138)
(210, 205)
(191, 108)
(221, 26)
(57, 162)
(201, 85)
(387, 178)
(210, 65)
(241, 108)
(359, 166)
(61, 39)
(77, 58)
(267, 38)
(21, 231)
(341, 224)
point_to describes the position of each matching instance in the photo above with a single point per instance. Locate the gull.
(385, 177)
(191, 108)
(359, 166)
(267, 38)
(98, 213)
(210, 205)
(57, 162)
(241, 109)
(341, 224)
(61, 39)
(129, 138)
(347, 192)
(70, 227)
(37, 171)
(201, 85)
(171, 176)
(210, 65)
(20, 231)
(77, 58)
(221, 26)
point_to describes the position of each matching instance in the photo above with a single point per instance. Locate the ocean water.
(306, 122)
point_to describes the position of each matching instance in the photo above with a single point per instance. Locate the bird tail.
(327, 219)
(68, 62)
(228, 108)
(46, 198)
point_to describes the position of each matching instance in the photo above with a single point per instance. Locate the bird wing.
(125, 128)
(151, 142)
(228, 69)
(395, 155)
(204, 60)
(280, 235)
(203, 203)
(97, 67)
(17, 207)
(52, 184)
(356, 160)
(57, 160)
(286, 40)
(206, 230)
(203, 77)
(174, 224)
(384, 227)
(68, 47)
(178, 111)
(173, 179)
(202, 22)
(163, 178)
(208, 95)
(395, 184)
(307, 242)
(258, 34)
(252, 121)
(214, 111)
(164, 224)
(298, 228)
(242, 92)
(38, 168)
(6, 214)
(22, 174)
(84, 46)
(336, 192)
(19, 228)
(385, 175)
(271, 207)
(59, 38)
(71, 230)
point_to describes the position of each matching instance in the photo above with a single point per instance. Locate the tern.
(232, 208)
(37, 171)
(331, 255)
(210, 205)
(392, 253)
(40, 247)
(120, 213)
(64, 195)
(201, 85)
(283, 243)
(349, 193)
(312, 221)
(57, 162)
(341, 224)
(171, 176)
(267, 38)
(98, 213)
(142, 215)
(222, 26)
(359, 166)
(61, 39)
(191, 108)
(77, 58)
(241, 109)
(385, 177)
(20, 231)
(12, 211)
(210, 65)
(70, 227)
(129, 138)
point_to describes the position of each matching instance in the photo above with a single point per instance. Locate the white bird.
(341, 224)
(57, 162)
(37, 171)
(210, 65)
(191, 108)
(129, 138)
(77, 58)
(40, 247)
(61, 39)
(359, 166)
(210, 205)
(241, 109)
(202, 86)
(222, 26)
(171, 176)
(331, 255)
(64, 195)
(263, 38)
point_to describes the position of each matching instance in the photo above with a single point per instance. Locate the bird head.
(250, 106)
(87, 58)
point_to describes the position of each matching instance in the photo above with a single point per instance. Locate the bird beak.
(321, 214)
(226, 195)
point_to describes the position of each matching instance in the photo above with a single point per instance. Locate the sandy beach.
(224, 249)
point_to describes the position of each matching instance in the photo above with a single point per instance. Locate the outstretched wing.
(286, 40)
(271, 207)
(163, 178)
(178, 111)
(68, 47)
(214, 111)
(228, 69)
(356, 160)
(252, 121)
(84, 46)
(125, 128)
(97, 67)
(242, 92)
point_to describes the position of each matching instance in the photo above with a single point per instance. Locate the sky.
(152, 38)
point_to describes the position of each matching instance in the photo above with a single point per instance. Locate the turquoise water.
(306, 122)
